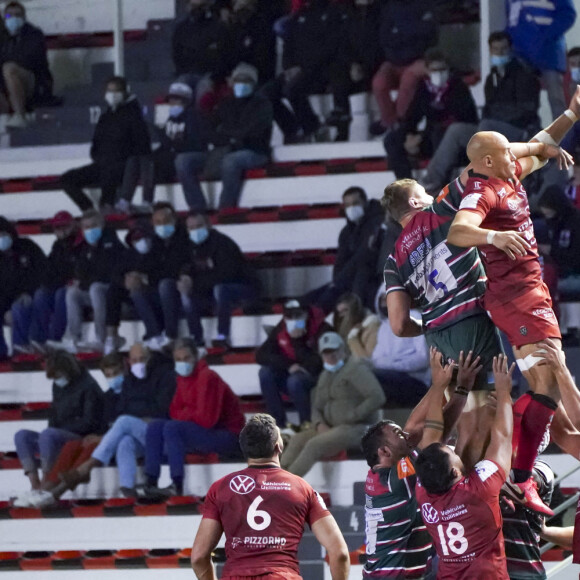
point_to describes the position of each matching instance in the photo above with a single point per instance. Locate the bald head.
(490, 154)
(138, 353)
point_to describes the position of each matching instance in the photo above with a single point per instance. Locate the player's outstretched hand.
(574, 105)
(563, 158)
(467, 370)
(550, 354)
(440, 374)
(501, 374)
(512, 243)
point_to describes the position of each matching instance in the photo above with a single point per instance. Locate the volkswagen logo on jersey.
(430, 514)
(242, 484)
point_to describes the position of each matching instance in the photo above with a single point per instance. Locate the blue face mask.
(165, 231)
(242, 90)
(499, 61)
(14, 24)
(334, 368)
(93, 235)
(176, 110)
(61, 382)
(116, 383)
(297, 324)
(183, 368)
(199, 235)
(5, 242)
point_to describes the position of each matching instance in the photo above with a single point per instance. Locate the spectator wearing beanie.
(289, 361)
(240, 133)
(346, 399)
(49, 302)
(184, 131)
(216, 272)
(23, 268)
(205, 417)
(76, 411)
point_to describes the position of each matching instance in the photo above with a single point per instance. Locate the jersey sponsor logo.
(236, 542)
(275, 485)
(513, 205)
(546, 313)
(430, 514)
(418, 255)
(502, 192)
(523, 330)
(470, 201)
(453, 512)
(405, 468)
(485, 469)
(264, 541)
(242, 484)
(476, 185)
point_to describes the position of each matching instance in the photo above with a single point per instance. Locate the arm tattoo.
(436, 425)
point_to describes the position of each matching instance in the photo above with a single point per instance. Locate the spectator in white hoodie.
(400, 364)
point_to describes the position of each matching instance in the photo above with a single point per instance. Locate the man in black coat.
(25, 72)
(442, 99)
(23, 267)
(120, 133)
(355, 266)
(215, 273)
(241, 128)
(99, 258)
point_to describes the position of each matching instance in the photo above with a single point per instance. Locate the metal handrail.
(559, 567)
(562, 507)
(567, 474)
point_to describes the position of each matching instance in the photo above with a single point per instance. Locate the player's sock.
(519, 409)
(535, 420)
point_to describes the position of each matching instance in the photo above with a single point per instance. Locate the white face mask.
(143, 246)
(575, 74)
(61, 382)
(114, 98)
(139, 370)
(354, 212)
(439, 78)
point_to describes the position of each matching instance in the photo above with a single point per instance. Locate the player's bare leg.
(535, 420)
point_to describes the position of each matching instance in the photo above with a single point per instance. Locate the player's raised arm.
(500, 445)
(206, 539)
(330, 537)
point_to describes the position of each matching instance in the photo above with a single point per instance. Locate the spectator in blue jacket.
(25, 73)
(537, 30)
(185, 131)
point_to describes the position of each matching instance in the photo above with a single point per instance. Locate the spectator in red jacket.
(290, 362)
(205, 417)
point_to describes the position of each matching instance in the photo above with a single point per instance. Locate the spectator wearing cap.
(216, 272)
(49, 302)
(185, 131)
(289, 360)
(355, 266)
(23, 267)
(346, 399)
(25, 73)
(121, 133)
(100, 256)
(205, 417)
(240, 132)
(137, 285)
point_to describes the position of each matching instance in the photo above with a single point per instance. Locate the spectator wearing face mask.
(442, 99)
(512, 100)
(289, 361)
(216, 272)
(401, 365)
(185, 131)
(137, 285)
(144, 392)
(355, 265)
(76, 411)
(572, 76)
(171, 244)
(241, 128)
(25, 73)
(205, 417)
(48, 321)
(120, 133)
(77, 451)
(98, 261)
(23, 268)
(346, 399)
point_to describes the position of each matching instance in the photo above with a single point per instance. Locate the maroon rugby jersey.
(262, 510)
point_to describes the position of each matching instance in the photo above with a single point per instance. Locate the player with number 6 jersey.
(262, 510)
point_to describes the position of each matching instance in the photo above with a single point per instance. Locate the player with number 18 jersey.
(466, 525)
(263, 510)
